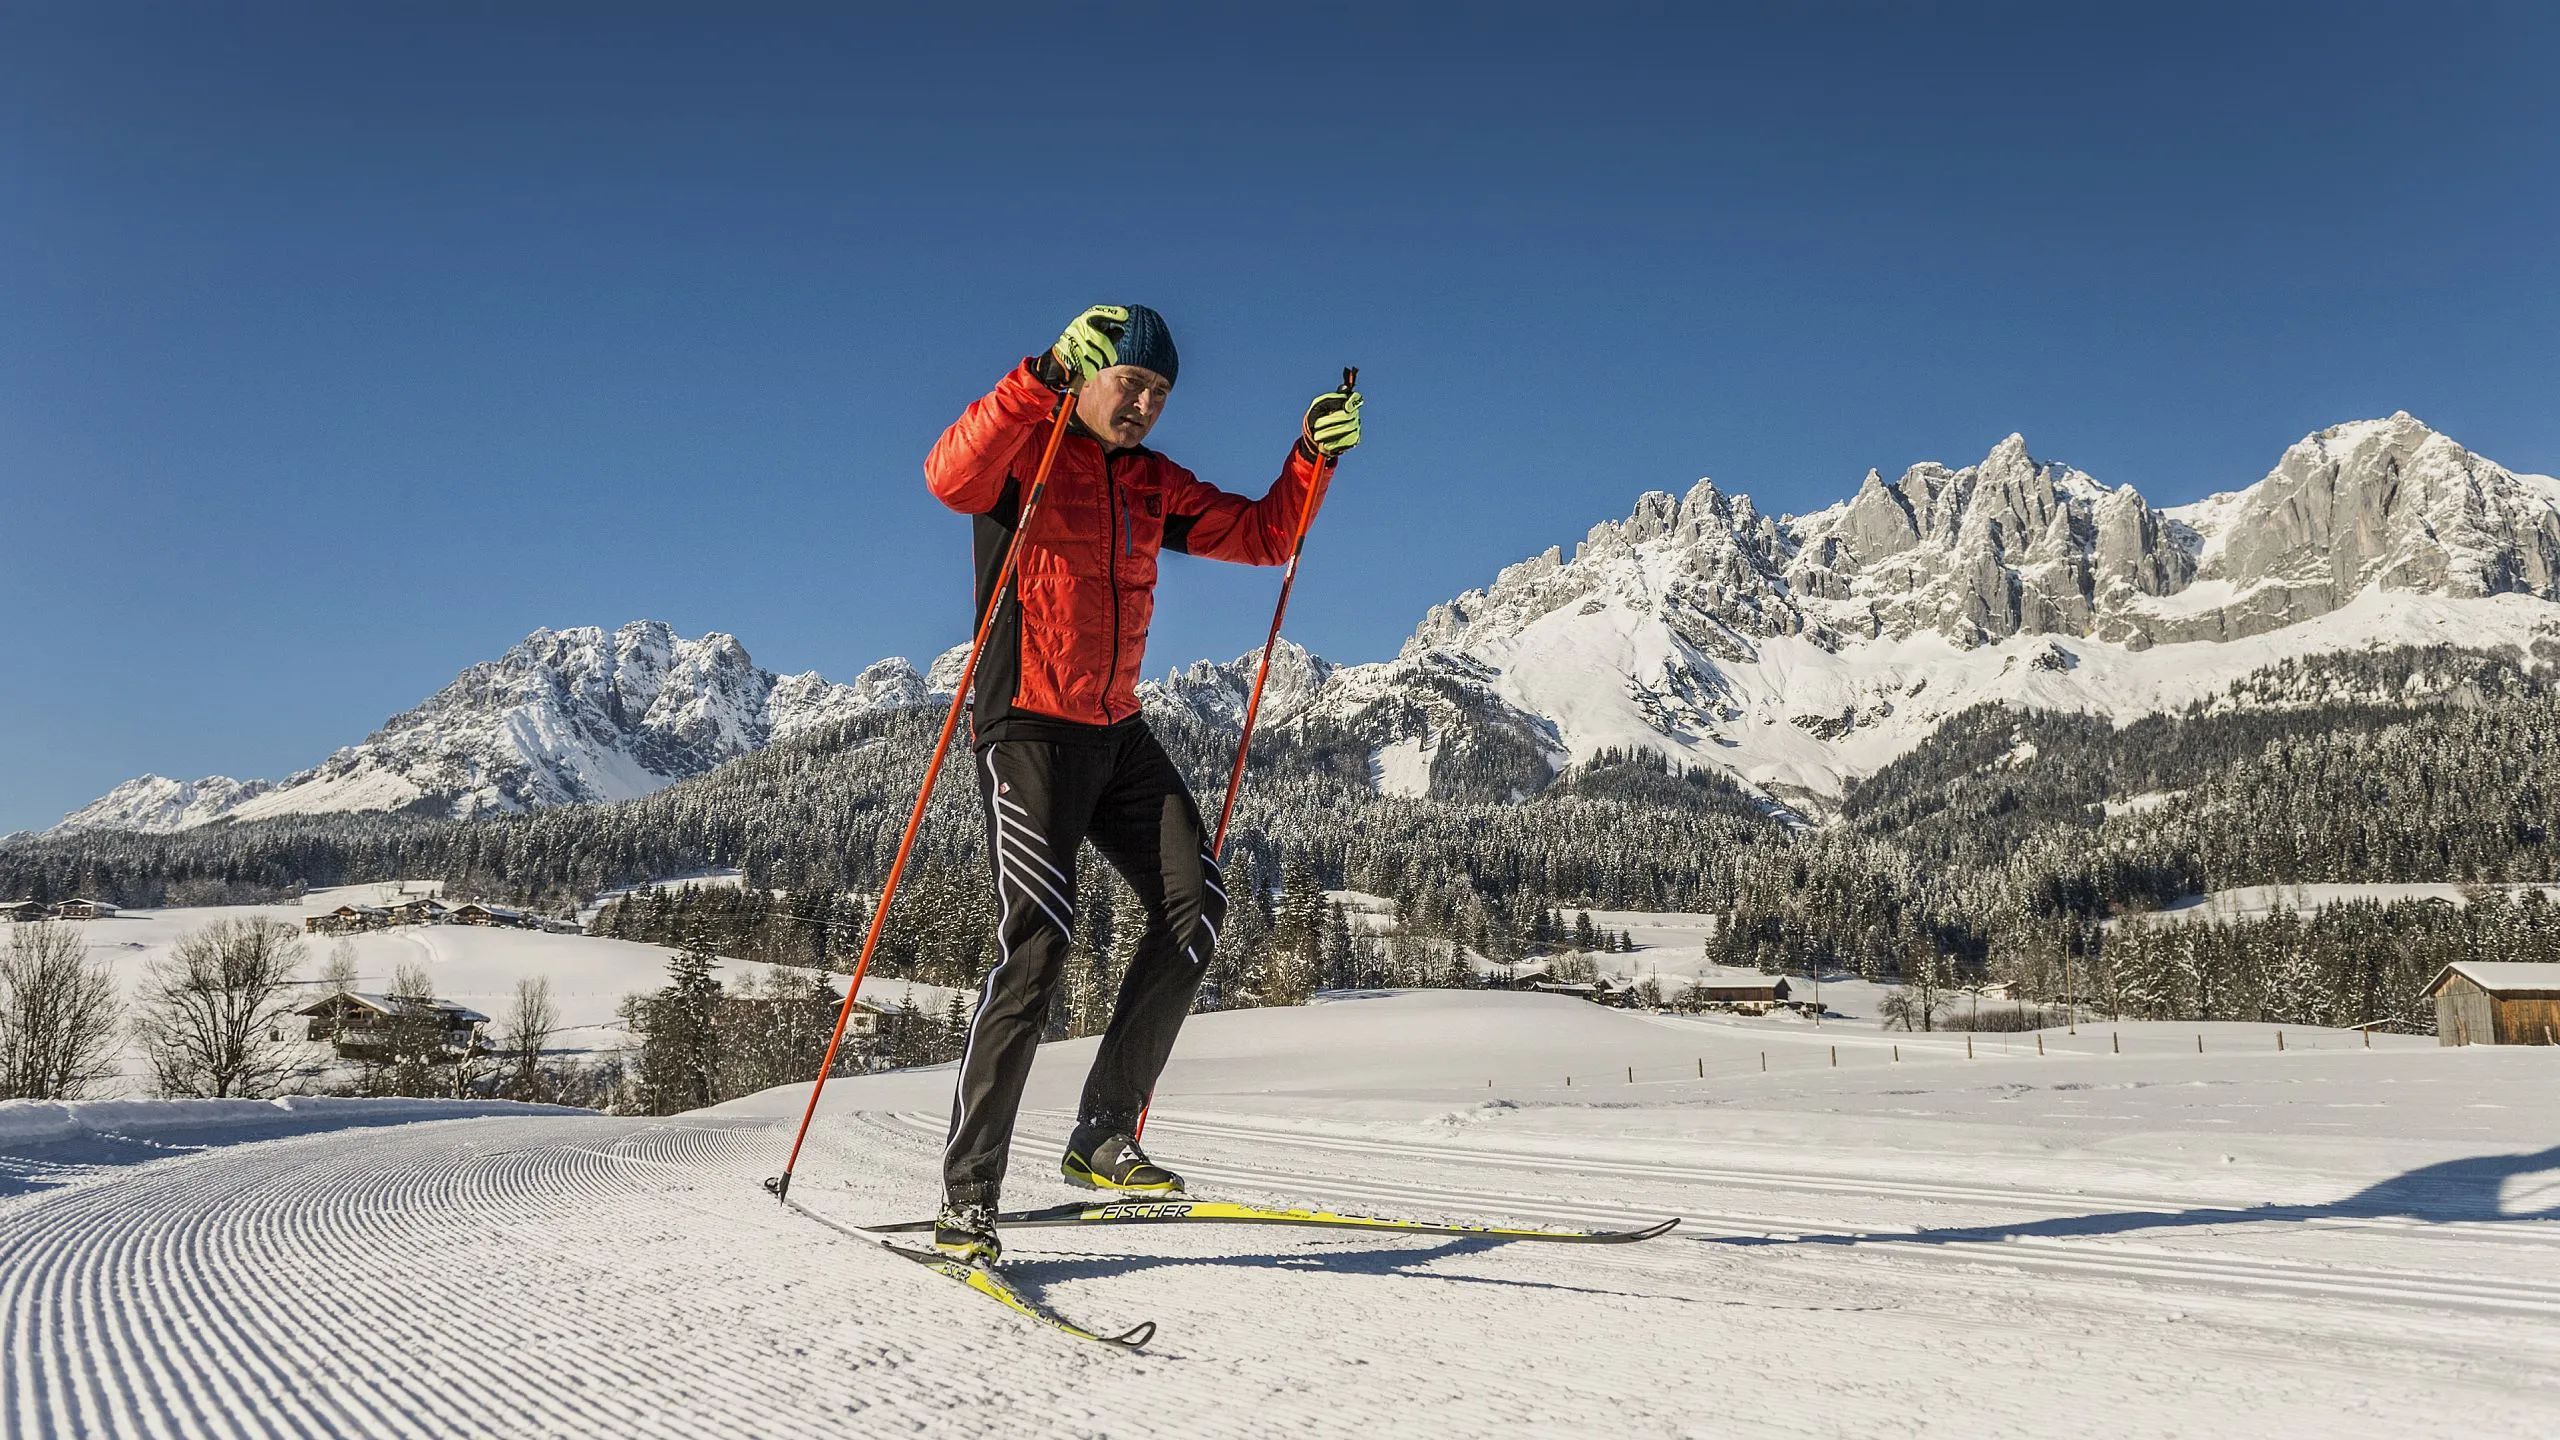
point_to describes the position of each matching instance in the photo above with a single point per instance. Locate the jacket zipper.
(1111, 559)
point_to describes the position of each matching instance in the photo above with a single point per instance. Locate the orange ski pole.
(1262, 672)
(780, 1185)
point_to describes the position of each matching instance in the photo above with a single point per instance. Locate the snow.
(2257, 902)
(1403, 768)
(2138, 804)
(2325, 1240)
(2510, 975)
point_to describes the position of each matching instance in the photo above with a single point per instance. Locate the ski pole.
(1262, 672)
(1288, 577)
(780, 1185)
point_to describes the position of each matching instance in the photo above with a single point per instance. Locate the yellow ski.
(1220, 1212)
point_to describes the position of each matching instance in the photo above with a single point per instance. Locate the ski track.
(566, 1276)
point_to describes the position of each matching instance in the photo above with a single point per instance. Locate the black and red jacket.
(1074, 646)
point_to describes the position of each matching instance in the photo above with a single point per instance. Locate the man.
(1063, 754)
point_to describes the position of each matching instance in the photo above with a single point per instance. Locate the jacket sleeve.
(967, 467)
(1201, 519)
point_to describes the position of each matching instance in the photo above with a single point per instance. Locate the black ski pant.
(1043, 799)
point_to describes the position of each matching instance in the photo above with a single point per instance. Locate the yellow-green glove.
(1333, 422)
(1091, 343)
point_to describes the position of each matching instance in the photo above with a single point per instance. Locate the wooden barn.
(1744, 992)
(83, 909)
(2497, 1003)
(21, 910)
(478, 914)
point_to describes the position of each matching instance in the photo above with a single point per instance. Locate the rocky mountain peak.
(563, 716)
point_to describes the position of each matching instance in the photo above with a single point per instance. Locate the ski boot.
(967, 1233)
(1100, 1159)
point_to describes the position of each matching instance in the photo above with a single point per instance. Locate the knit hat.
(1146, 341)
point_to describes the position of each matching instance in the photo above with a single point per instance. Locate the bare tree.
(214, 1012)
(57, 1015)
(530, 1023)
(340, 973)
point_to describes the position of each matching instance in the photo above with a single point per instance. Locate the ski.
(1219, 1212)
(992, 1284)
(986, 1282)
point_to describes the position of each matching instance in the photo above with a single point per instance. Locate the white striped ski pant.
(1043, 799)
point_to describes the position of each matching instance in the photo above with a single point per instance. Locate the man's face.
(1122, 404)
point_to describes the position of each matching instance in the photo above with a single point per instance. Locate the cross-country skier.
(1063, 754)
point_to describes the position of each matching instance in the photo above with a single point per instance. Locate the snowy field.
(2319, 1241)
(2258, 902)
(472, 965)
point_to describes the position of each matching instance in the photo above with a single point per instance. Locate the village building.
(347, 920)
(16, 910)
(476, 913)
(2497, 1003)
(1741, 992)
(83, 909)
(359, 1023)
(419, 910)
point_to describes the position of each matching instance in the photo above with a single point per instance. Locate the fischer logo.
(1151, 1210)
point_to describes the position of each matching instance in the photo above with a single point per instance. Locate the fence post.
(2116, 1038)
(2199, 1044)
(1897, 1054)
(1968, 1047)
(1835, 1057)
(1702, 1067)
(2368, 1036)
(2039, 1042)
(1631, 1074)
(1568, 1082)
(1764, 1062)
(2279, 1042)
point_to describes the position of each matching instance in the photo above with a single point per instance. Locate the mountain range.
(1796, 653)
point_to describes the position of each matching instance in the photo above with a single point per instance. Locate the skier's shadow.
(2473, 1189)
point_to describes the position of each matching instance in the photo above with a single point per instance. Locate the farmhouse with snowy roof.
(346, 919)
(1745, 992)
(21, 910)
(2497, 1003)
(83, 909)
(360, 1023)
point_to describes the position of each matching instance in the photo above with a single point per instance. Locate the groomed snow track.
(589, 1277)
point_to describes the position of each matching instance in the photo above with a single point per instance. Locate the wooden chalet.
(419, 910)
(12, 910)
(476, 913)
(359, 1023)
(83, 909)
(2497, 1003)
(347, 920)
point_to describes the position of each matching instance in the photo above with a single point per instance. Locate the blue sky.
(341, 345)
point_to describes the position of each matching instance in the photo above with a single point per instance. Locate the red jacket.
(1074, 646)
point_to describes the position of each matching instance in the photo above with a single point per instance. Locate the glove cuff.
(1046, 369)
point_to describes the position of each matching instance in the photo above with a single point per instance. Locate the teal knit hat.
(1146, 341)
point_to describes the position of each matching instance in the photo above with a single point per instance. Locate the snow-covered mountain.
(1795, 652)
(564, 716)
(1799, 652)
(154, 803)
